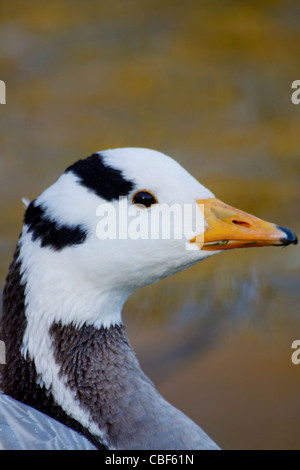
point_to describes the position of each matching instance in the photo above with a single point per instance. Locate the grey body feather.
(25, 428)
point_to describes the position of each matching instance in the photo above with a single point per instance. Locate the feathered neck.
(90, 373)
(86, 377)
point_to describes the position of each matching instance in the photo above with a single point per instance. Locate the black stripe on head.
(105, 181)
(51, 233)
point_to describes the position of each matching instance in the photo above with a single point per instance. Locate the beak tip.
(290, 237)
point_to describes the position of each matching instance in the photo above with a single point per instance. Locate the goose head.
(122, 219)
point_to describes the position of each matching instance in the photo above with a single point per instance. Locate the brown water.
(210, 84)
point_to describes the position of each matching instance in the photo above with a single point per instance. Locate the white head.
(81, 277)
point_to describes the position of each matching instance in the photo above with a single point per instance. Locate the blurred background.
(208, 83)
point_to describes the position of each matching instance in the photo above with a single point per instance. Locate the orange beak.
(227, 227)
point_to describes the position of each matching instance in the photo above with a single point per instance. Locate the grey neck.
(101, 367)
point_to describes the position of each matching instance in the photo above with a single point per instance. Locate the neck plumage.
(92, 377)
(87, 377)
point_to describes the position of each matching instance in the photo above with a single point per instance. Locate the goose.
(71, 378)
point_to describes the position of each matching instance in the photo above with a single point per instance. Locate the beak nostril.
(241, 222)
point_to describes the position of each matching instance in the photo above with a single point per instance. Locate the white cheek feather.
(69, 203)
(54, 285)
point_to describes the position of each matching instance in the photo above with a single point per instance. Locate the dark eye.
(144, 198)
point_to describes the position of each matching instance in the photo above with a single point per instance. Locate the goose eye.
(144, 198)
